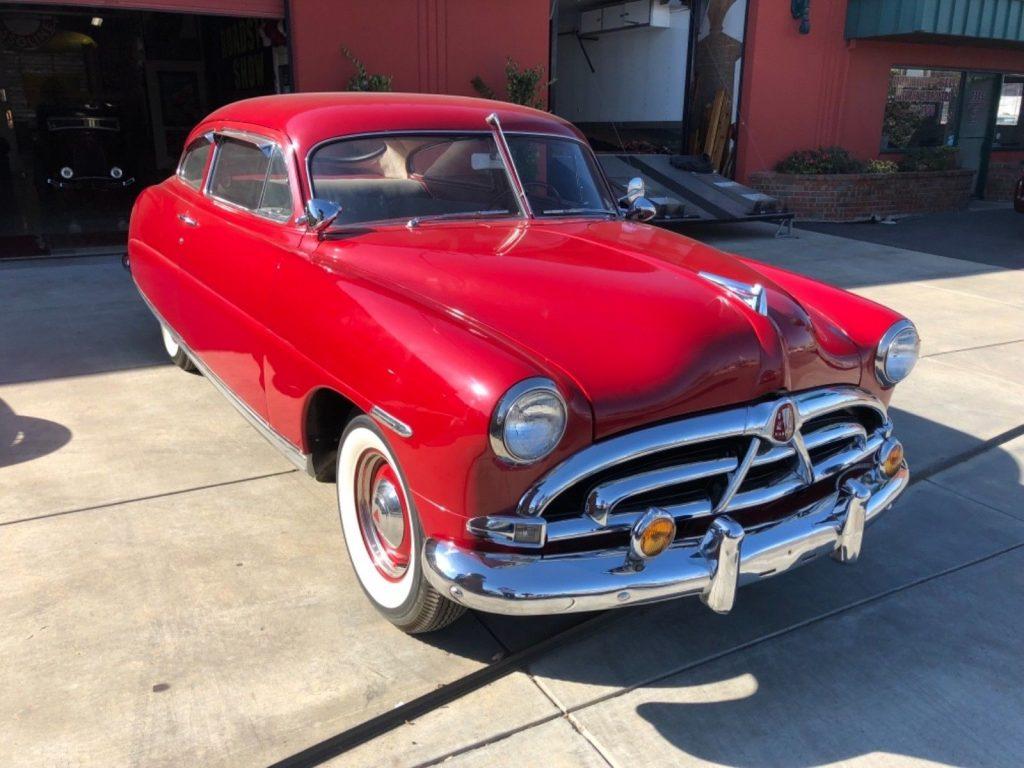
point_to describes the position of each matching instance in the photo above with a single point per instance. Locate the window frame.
(954, 117)
(265, 145)
(603, 179)
(190, 147)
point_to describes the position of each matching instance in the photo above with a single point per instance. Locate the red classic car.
(530, 401)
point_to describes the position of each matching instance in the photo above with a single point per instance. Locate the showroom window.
(922, 108)
(1009, 130)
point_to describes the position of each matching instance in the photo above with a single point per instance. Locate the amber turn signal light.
(890, 457)
(652, 534)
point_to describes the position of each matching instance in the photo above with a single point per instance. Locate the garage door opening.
(96, 104)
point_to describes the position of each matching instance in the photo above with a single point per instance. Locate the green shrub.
(881, 166)
(522, 85)
(361, 80)
(820, 161)
(929, 159)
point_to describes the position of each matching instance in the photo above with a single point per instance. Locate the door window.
(193, 162)
(239, 173)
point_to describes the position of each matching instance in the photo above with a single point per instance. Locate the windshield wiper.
(574, 211)
(415, 221)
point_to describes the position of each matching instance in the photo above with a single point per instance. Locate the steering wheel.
(546, 187)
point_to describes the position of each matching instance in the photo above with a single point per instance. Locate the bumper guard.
(727, 557)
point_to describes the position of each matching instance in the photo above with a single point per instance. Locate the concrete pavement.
(175, 594)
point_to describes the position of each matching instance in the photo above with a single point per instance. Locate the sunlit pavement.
(174, 594)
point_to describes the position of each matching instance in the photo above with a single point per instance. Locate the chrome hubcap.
(383, 515)
(386, 513)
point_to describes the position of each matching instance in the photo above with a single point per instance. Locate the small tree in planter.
(363, 81)
(522, 84)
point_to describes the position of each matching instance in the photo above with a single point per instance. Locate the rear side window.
(193, 162)
(239, 173)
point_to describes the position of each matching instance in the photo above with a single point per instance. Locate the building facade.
(881, 76)
(745, 81)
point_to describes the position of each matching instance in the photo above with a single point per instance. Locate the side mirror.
(320, 214)
(634, 189)
(642, 209)
(638, 207)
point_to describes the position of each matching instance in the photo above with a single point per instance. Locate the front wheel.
(175, 352)
(383, 534)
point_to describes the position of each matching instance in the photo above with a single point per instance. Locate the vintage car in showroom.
(530, 401)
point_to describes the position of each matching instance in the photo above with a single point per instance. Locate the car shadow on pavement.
(73, 318)
(914, 676)
(891, 647)
(23, 438)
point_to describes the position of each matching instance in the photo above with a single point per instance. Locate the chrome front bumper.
(726, 558)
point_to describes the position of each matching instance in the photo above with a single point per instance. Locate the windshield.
(421, 177)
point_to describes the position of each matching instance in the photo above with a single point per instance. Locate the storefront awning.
(997, 21)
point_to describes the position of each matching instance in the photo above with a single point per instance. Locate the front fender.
(432, 370)
(834, 310)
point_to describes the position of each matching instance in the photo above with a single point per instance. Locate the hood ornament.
(754, 296)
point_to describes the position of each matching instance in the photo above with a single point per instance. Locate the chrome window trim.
(614, 212)
(883, 345)
(496, 431)
(265, 145)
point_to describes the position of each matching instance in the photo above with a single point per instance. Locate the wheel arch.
(327, 413)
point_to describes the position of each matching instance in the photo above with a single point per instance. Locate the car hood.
(618, 308)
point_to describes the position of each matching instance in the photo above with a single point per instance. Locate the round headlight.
(897, 353)
(528, 422)
(116, 173)
(66, 172)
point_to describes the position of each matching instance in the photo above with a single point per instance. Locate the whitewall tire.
(383, 534)
(175, 352)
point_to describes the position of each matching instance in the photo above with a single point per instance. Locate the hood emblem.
(783, 424)
(753, 296)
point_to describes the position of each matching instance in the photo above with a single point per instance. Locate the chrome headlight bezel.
(885, 346)
(524, 390)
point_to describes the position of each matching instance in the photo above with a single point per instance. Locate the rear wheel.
(383, 534)
(175, 352)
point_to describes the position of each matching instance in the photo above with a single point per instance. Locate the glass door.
(976, 119)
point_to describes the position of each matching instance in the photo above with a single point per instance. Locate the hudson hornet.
(530, 400)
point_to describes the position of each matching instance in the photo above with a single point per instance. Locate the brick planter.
(859, 196)
(1001, 180)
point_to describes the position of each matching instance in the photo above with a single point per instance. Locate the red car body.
(429, 325)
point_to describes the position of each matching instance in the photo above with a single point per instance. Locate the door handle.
(187, 220)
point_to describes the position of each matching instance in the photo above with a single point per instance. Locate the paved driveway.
(988, 233)
(175, 594)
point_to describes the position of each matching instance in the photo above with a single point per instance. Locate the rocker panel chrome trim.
(301, 460)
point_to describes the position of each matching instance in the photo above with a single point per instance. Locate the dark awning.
(996, 21)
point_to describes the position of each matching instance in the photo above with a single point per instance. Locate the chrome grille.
(708, 465)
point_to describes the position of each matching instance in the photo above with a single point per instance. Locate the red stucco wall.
(432, 46)
(803, 91)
